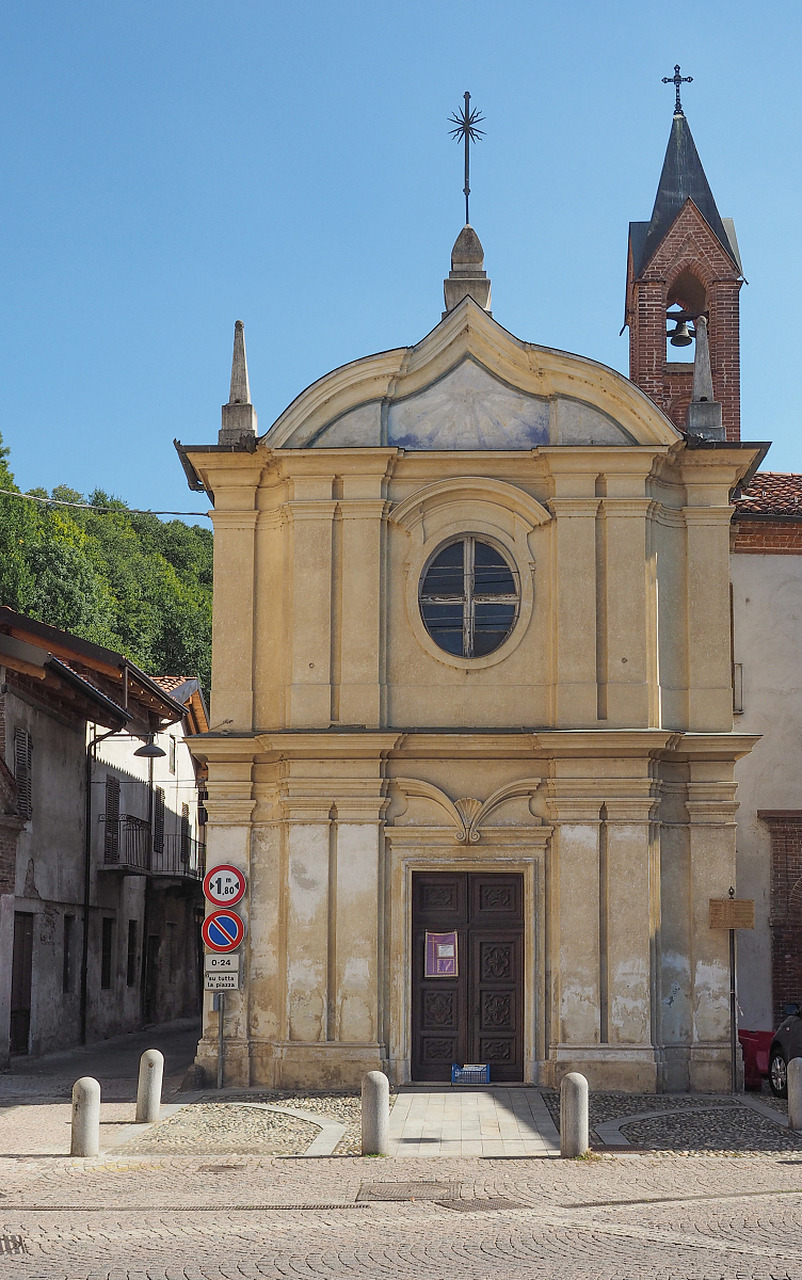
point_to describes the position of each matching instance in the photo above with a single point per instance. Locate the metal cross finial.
(677, 80)
(466, 122)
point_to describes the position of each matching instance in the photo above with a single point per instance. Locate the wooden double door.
(475, 1015)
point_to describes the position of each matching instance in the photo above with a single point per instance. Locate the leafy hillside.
(131, 582)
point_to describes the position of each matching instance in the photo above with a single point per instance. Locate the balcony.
(128, 847)
(181, 856)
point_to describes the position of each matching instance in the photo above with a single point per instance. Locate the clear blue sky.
(170, 166)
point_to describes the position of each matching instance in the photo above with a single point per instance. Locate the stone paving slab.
(475, 1122)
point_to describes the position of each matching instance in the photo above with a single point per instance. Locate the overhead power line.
(88, 506)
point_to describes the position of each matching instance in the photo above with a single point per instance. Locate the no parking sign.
(222, 931)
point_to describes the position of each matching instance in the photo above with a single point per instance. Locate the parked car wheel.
(778, 1075)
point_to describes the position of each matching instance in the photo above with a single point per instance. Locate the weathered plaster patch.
(356, 972)
(629, 1007)
(356, 1023)
(711, 994)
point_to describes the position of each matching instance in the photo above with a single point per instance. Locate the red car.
(755, 1046)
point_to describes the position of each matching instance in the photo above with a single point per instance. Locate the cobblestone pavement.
(694, 1218)
(687, 1123)
(732, 1212)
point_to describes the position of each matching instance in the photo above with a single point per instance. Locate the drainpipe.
(90, 757)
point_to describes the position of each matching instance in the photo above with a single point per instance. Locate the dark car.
(787, 1044)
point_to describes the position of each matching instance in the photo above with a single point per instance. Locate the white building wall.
(767, 641)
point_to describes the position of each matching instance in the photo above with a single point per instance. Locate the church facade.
(473, 737)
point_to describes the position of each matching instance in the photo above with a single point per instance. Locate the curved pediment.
(471, 385)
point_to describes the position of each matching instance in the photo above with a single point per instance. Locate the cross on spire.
(466, 121)
(677, 80)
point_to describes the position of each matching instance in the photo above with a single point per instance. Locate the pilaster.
(310, 633)
(632, 893)
(574, 911)
(711, 813)
(575, 616)
(630, 599)
(360, 607)
(234, 520)
(709, 658)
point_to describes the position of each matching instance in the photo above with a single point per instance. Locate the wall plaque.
(732, 913)
(441, 955)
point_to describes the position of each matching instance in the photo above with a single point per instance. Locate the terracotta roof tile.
(771, 493)
(169, 683)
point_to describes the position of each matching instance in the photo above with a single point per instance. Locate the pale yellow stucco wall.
(593, 752)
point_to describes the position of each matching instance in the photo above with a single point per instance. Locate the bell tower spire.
(685, 258)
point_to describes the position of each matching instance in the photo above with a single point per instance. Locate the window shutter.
(111, 836)
(185, 833)
(23, 752)
(158, 821)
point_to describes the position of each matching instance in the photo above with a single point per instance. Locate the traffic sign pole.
(222, 930)
(220, 1006)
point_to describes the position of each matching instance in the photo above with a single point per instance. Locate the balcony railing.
(181, 856)
(128, 845)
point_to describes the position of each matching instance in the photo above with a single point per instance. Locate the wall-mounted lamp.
(150, 749)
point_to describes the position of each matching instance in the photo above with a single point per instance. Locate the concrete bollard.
(795, 1094)
(85, 1139)
(573, 1115)
(375, 1114)
(149, 1088)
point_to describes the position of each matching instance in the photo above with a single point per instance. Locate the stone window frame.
(492, 510)
(470, 598)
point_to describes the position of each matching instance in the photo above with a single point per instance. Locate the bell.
(680, 337)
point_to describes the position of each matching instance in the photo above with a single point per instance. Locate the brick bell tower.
(684, 270)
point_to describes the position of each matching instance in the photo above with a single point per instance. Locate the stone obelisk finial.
(467, 276)
(704, 412)
(239, 415)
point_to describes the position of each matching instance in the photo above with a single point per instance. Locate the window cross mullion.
(468, 610)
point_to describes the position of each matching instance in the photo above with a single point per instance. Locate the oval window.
(469, 597)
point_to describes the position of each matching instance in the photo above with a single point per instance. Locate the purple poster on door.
(441, 955)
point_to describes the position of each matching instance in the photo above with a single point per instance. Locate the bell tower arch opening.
(684, 263)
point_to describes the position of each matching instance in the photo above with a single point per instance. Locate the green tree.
(129, 581)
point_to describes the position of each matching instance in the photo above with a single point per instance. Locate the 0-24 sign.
(224, 885)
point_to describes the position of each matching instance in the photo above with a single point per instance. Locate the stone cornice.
(565, 508)
(629, 508)
(312, 509)
(518, 841)
(229, 811)
(708, 515)
(225, 519)
(335, 744)
(542, 744)
(363, 508)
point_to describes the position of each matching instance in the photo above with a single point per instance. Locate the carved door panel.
(439, 1021)
(476, 1016)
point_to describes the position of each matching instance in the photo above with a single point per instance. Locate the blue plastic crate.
(471, 1073)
